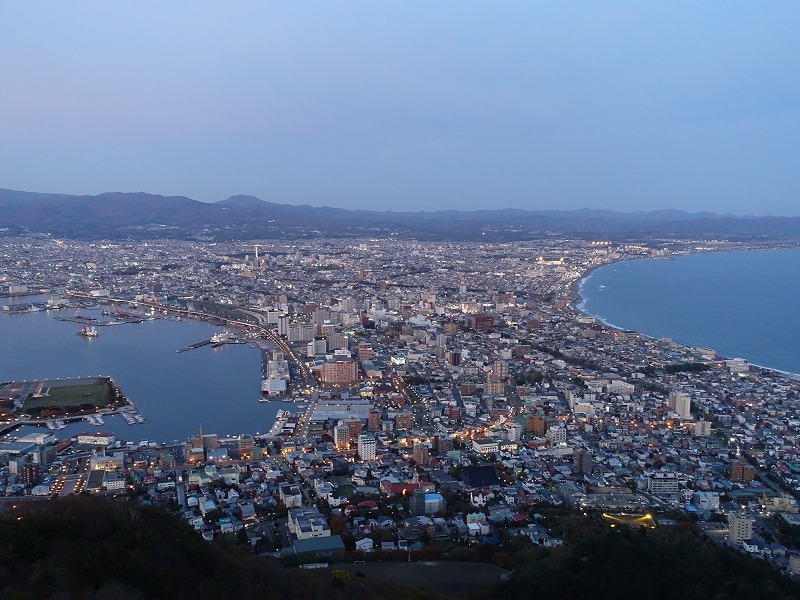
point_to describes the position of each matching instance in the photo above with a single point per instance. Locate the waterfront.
(740, 304)
(176, 392)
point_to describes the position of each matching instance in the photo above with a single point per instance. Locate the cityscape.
(399, 301)
(430, 399)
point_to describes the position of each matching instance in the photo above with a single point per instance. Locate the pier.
(193, 346)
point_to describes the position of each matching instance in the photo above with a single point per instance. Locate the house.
(364, 545)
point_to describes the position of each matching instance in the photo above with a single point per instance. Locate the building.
(290, 495)
(443, 444)
(374, 420)
(339, 372)
(341, 437)
(420, 454)
(96, 439)
(354, 425)
(367, 446)
(485, 445)
(514, 432)
(306, 523)
(422, 503)
(681, 403)
(246, 444)
(740, 527)
(702, 429)
(741, 472)
(536, 424)
(403, 421)
(662, 483)
(365, 352)
(557, 435)
(582, 462)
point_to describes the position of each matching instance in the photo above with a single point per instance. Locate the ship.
(220, 339)
(88, 332)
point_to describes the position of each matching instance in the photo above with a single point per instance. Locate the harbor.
(173, 392)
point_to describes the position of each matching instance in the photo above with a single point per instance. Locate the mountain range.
(116, 215)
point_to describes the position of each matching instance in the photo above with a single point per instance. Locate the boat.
(88, 332)
(220, 338)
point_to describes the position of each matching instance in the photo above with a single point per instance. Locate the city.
(436, 393)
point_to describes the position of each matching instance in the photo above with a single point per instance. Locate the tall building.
(500, 369)
(442, 444)
(582, 464)
(681, 403)
(374, 420)
(702, 429)
(365, 352)
(741, 472)
(403, 421)
(367, 446)
(423, 503)
(341, 437)
(740, 527)
(246, 444)
(355, 426)
(536, 424)
(339, 372)
(662, 483)
(420, 454)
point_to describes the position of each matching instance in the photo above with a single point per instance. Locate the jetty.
(193, 346)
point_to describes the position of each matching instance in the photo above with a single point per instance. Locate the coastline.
(576, 288)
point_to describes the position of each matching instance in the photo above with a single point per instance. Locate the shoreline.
(577, 299)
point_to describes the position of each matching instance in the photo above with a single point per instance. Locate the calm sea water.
(740, 304)
(176, 392)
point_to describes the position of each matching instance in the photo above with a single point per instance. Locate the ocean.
(177, 393)
(740, 304)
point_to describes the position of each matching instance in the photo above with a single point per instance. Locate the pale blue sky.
(408, 105)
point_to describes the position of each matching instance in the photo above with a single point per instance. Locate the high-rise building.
(367, 446)
(246, 444)
(403, 420)
(662, 483)
(374, 420)
(341, 437)
(582, 464)
(339, 372)
(443, 444)
(500, 369)
(420, 454)
(681, 403)
(702, 429)
(29, 473)
(365, 352)
(741, 472)
(740, 527)
(536, 424)
(425, 503)
(355, 425)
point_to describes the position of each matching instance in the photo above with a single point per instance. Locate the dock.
(193, 346)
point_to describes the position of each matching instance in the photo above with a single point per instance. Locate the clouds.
(408, 105)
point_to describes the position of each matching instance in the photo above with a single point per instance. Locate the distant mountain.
(243, 201)
(137, 215)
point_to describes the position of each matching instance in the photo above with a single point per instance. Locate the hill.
(117, 215)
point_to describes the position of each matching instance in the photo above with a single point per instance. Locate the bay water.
(177, 393)
(740, 304)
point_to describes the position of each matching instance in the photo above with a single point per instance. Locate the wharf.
(88, 321)
(193, 346)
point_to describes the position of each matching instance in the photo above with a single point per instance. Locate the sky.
(408, 105)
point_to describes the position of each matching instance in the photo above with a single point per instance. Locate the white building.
(681, 403)
(485, 445)
(740, 527)
(662, 483)
(367, 446)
